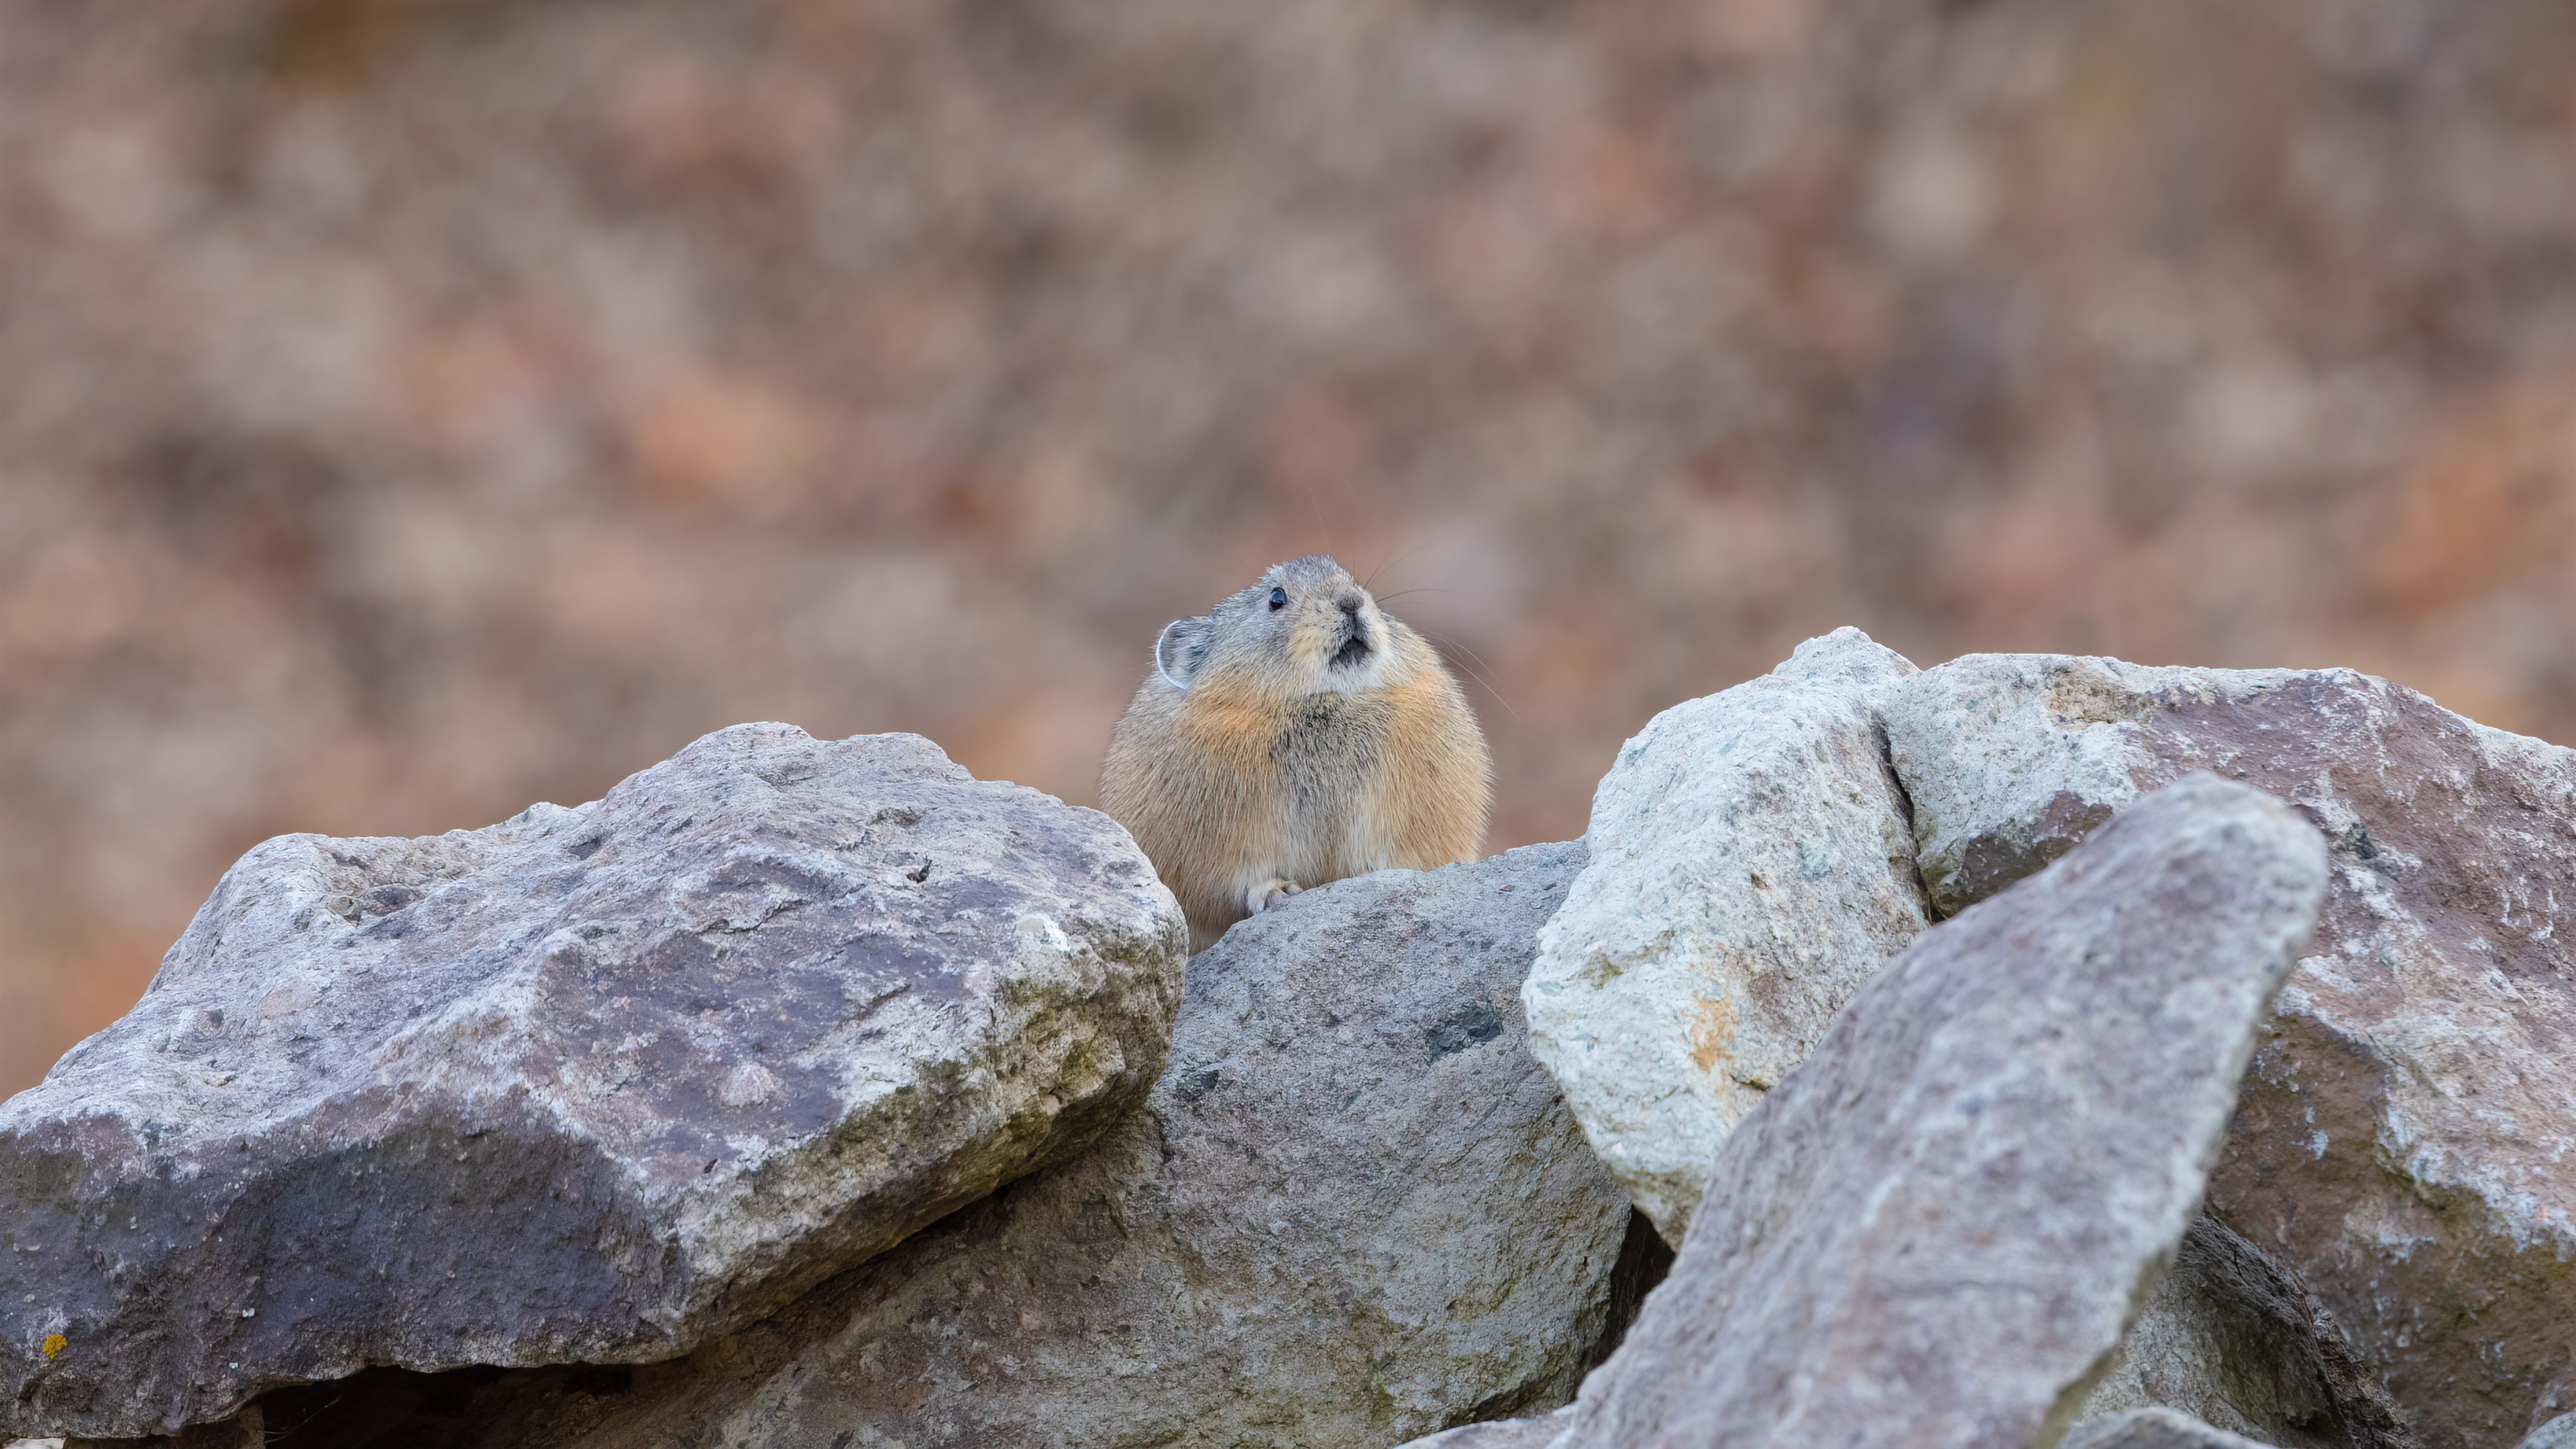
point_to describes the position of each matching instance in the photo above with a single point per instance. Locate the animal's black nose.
(1350, 605)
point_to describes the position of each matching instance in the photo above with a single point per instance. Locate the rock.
(2558, 1433)
(1354, 1212)
(2407, 1143)
(592, 1084)
(2153, 1429)
(1499, 1434)
(1752, 865)
(2233, 1338)
(1935, 1229)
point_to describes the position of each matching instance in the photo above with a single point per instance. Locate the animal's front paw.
(1269, 893)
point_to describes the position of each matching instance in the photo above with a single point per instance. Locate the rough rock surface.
(2231, 1337)
(1355, 1212)
(592, 1084)
(1934, 1231)
(2154, 1429)
(2407, 1142)
(2558, 1433)
(1499, 1434)
(1752, 865)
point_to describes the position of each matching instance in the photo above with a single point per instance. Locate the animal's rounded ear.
(1179, 651)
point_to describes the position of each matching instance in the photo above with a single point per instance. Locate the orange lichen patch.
(54, 1345)
(1712, 1034)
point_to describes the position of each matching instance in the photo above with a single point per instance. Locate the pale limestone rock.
(1752, 865)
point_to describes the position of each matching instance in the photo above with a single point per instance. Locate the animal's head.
(1305, 628)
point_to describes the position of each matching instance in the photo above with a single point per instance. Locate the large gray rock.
(1934, 1232)
(2407, 1142)
(2231, 1337)
(592, 1084)
(1752, 865)
(1353, 1212)
(2154, 1429)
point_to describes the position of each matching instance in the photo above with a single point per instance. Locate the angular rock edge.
(1353, 1210)
(1752, 865)
(2154, 1429)
(2405, 1141)
(2237, 1340)
(589, 1085)
(1935, 1232)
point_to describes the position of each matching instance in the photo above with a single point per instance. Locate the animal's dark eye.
(1279, 598)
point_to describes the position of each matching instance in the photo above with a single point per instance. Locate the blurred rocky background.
(410, 409)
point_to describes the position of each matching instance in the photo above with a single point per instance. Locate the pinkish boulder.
(2407, 1140)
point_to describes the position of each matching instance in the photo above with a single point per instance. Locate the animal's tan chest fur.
(1326, 758)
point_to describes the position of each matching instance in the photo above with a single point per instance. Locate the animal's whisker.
(1475, 667)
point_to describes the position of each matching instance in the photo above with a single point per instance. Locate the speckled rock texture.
(1752, 865)
(593, 1084)
(2154, 1429)
(2234, 1339)
(2407, 1142)
(1353, 1212)
(1498, 1434)
(1933, 1232)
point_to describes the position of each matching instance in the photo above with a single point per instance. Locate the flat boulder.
(2407, 1140)
(590, 1085)
(1935, 1230)
(1352, 1212)
(1752, 865)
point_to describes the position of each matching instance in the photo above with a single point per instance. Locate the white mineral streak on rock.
(1751, 866)
(2154, 1429)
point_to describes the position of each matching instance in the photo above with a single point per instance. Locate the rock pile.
(804, 1092)
(1352, 1210)
(1931, 1233)
(2396, 1189)
(2408, 1137)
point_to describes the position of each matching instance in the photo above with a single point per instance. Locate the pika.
(1292, 735)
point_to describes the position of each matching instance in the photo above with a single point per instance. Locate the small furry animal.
(1293, 735)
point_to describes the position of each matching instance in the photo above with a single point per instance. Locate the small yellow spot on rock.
(55, 1343)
